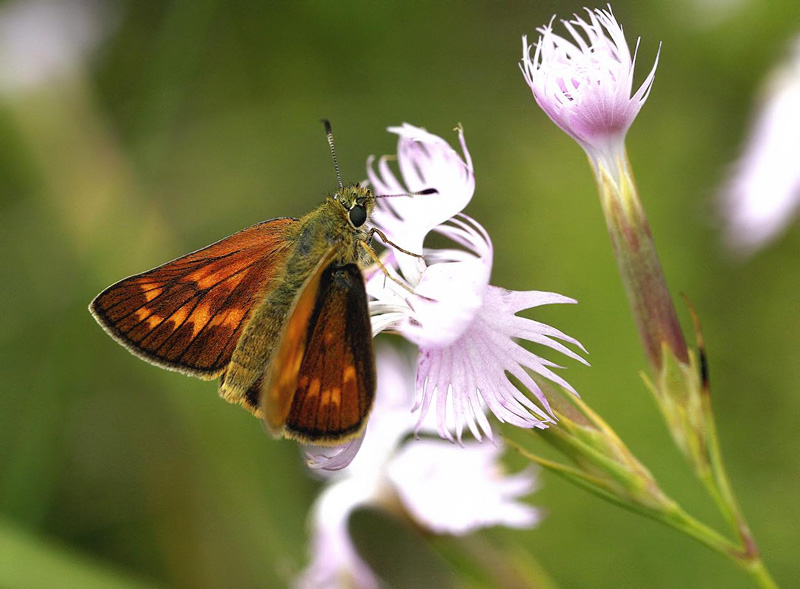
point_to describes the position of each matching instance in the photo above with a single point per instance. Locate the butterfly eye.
(358, 215)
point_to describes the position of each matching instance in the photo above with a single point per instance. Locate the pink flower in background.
(585, 84)
(42, 41)
(334, 560)
(762, 195)
(446, 489)
(465, 328)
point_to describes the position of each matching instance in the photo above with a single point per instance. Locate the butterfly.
(278, 312)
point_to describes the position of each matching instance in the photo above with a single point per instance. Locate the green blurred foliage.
(195, 118)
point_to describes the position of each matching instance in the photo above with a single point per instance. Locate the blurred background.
(133, 132)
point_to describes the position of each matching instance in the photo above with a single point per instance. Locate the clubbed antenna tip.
(329, 134)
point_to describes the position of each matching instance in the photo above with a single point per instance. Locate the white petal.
(474, 370)
(455, 490)
(334, 560)
(335, 457)
(451, 290)
(426, 161)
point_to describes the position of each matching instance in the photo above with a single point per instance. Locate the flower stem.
(670, 513)
(637, 260)
(720, 489)
(760, 575)
(683, 522)
(747, 561)
(714, 476)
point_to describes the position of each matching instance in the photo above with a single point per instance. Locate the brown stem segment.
(638, 262)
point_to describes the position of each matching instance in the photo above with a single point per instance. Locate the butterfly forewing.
(322, 383)
(188, 314)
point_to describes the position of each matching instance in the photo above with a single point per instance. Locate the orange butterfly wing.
(188, 314)
(322, 382)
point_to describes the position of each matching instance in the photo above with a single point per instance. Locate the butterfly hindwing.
(322, 382)
(188, 314)
(274, 392)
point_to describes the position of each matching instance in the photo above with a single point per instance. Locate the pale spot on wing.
(151, 320)
(349, 387)
(298, 360)
(336, 396)
(180, 315)
(200, 317)
(212, 279)
(149, 295)
(329, 338)
(325, 399)
(286, 377)
(313, 389)
(234, 315)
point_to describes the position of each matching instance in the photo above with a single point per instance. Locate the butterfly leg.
(386, 240)
(380, 264)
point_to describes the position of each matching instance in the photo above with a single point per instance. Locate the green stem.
(714, 476)
(678, 519)
(751, 564)
(637, 259)
(744, 556)
(721, 490)
(760, 574)
(718, 483)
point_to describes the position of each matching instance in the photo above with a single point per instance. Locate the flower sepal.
(680, 392)
(684, 398)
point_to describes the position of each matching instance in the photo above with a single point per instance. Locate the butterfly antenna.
(329, 134)
(418, 193)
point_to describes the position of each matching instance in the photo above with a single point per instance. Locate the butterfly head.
(357, 203)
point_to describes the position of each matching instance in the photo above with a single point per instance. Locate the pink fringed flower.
(48, 41)
(465, 329)
(585, 84)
